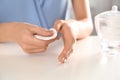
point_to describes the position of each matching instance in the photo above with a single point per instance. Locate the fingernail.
(50, 32)
(64, 60)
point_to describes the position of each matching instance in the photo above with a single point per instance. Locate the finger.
(64, 55)
(68, 54)
(52, 40)
(41, 31)
(33, 42)
(68, 46)
(38, 43)
(28, 47)
(42, 43)
(33, 51)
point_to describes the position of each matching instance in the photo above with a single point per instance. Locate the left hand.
(65, 28)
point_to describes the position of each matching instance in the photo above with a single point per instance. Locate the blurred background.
(98, 6)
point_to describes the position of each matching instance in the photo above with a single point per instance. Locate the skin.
(23, 33)
(76, 29)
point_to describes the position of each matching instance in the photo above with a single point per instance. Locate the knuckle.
(25, 48)
(73, 40)
(27, 51)
(23, 38)
(44, 44)
(43, 50)
(59, 21)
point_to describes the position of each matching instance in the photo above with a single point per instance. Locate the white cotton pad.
(48, 38)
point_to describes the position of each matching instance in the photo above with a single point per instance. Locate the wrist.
(58, 25)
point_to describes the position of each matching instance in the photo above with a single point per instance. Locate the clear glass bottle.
(107, 25)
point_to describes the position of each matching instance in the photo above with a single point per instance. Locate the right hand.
(23, 34)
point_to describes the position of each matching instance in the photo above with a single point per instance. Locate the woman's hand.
(65, 28)
(23, 34)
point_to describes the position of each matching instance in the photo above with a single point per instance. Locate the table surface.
(86, 63)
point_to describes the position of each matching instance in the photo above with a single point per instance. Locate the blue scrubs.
(39, 12)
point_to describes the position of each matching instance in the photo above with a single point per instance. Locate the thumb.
(42, 31)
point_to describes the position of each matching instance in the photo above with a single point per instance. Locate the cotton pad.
(48, 38)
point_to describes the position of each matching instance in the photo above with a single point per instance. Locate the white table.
(86, 63)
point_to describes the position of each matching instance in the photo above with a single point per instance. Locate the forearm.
(6, 32)
(83, 24)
